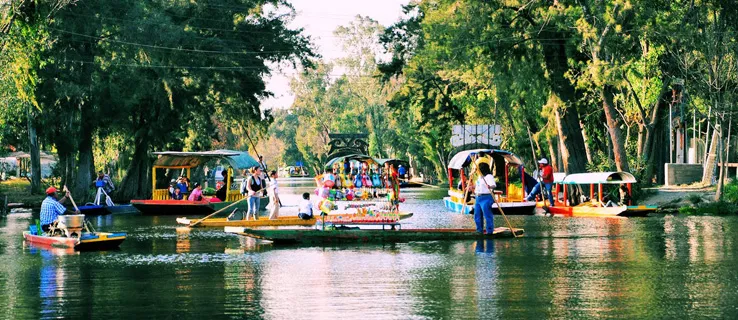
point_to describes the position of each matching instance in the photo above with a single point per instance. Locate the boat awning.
(559, 177)
(463, 158)
(351, 157)
(599, 178)
(177, 159)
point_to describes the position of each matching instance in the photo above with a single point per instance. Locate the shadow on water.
(656, 267)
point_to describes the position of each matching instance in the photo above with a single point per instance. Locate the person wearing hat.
(51, 208)
(483, 189)
(545, 173)
(196, 194)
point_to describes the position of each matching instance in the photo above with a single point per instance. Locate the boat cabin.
(507, 166)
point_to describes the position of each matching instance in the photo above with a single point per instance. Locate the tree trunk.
(35, 152)
(561, 98)
(618, 145)
(721, 179)
(552, 154)
(137, 182)
(86, 166)
(586, 143)
(709, 170)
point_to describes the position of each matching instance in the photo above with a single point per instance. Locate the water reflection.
(659, 267)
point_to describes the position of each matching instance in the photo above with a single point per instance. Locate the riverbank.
(19, 194)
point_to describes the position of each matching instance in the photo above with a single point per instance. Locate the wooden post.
(599, 194)
(565, 196)
(153, 182)
(630, 194)
(522, 179)
(450, 179)
(591, 191)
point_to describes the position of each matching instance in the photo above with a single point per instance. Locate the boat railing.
(161, 194)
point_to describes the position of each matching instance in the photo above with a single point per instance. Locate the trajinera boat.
(73, 232)
(161, 202)
(509, 196)
(281, 221)
(594, 205)
(338, 236)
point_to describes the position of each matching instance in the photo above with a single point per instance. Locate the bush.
(717, 208)
(208, 191)
(688, 210)
(730, 192)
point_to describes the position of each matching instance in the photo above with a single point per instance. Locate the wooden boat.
(508, 196)
(93, 210)
(315, 236)
(160, 202)
(87, 241)
(281, 221)
(595, 206)
(295, 172)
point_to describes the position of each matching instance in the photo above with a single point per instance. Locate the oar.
(216, 212)
(70, 197)
(499, 205)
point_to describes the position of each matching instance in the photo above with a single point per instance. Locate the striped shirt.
(50, 209)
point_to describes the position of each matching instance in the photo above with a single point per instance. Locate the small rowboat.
(87, 241)
(263, 222)
(315, 236)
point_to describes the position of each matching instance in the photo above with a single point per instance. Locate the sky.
(319, 18)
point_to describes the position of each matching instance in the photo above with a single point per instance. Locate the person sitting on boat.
(51, 208)
(254, 187)
(104, 181)
(402, 171)
(196, 194)
(183, 184)
(545, 172)
(177, 195)
(306, 207)
(483, 189)
(222, 193)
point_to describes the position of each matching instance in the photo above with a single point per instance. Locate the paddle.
(70, 197)
(216, 212)
(499, 205)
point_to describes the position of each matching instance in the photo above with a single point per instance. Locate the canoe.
(264, 222)
(188, 208)
(88, 240)
(510, 208)
(316, 236)
(585, 210)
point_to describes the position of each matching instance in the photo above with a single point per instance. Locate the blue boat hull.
(510, 208)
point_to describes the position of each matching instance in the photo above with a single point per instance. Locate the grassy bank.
(18, 191)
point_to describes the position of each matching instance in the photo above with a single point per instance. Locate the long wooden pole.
(216, 212)
(499, 205)
(70, 198)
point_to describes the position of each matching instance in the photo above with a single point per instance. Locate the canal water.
(583, 268)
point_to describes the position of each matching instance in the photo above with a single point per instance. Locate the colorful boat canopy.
(237, 159)
(599, 178)
(351, 157)
(463, 158)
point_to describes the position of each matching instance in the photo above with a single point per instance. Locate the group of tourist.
(360, 181)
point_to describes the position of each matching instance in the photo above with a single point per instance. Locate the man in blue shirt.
(402, 171)
(51, 208)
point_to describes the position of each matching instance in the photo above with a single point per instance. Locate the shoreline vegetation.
(589, 85)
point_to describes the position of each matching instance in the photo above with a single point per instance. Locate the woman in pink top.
(196, 194)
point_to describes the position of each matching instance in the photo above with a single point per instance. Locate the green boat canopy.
(599, 178)
(239, 160)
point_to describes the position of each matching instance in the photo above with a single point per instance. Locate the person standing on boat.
(483, 189)
(273, 196)
(253, 186)
(546, 178)
(51, 208)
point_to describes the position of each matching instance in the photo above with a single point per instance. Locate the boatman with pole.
(483, 189)
(51, 208)
(546, 178)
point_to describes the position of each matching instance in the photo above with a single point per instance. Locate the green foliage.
(687, 210)
(730, 192)
(694, 198)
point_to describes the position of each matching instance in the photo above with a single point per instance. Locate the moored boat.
(594, 205)
(315, 236)
(508, 196)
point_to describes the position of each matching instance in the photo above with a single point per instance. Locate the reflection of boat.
(315, 236)
(508, 196)
(595, 206)
(161, 204)
(281, 221)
